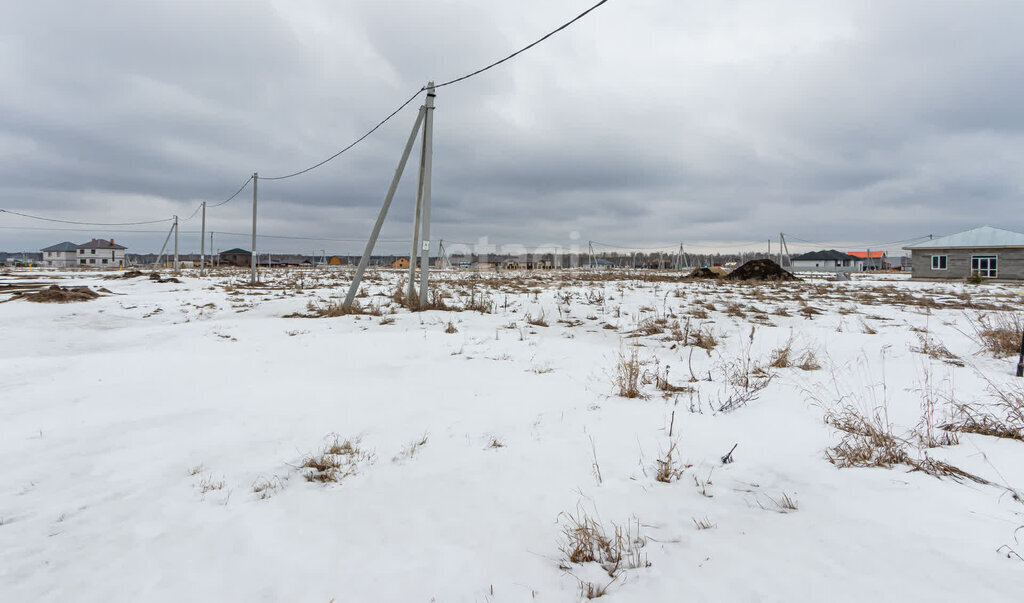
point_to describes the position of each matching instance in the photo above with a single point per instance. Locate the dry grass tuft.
(337, 460)
(265, 488)
(668, 469)
(450, 328)
(809, 361)
(942, 469)
(933, 348)
(998, 334)
(868, 441)
(537, 321)
(585, 540)
(411, 449)
(1003, 417)
(628, 371)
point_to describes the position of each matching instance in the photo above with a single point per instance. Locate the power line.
(357, 141)
(866, 246)
(263, 236)
(7, 211)
(447, 83)
(51, 229)
(240, 189)
(663, 247)
(198, 207)
(523, 49)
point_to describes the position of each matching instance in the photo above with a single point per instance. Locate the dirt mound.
(62, 295)
(761, 270)
(156, 278)
(703, 273)
(131, 274)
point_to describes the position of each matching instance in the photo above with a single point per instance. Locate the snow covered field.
(189, 442)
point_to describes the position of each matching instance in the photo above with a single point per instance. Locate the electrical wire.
(263, 236)
(51, 229)
(7, 211)
(198, 207)
(240, 189)
(441, 85)
(523, 49)
(357, 141)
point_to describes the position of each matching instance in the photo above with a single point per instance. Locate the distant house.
(61, 255)
(100, 253)
(235, 257)
(873, 260)
(400, 263)
(985, 251)
(527, 265)
(828, 260)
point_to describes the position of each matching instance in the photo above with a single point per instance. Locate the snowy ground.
(152, 442)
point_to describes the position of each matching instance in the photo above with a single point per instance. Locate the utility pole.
(363, 261)
(784, 247)
(411, 289)
(211, 249)
(175, 244)
(253, 258)
(202, 243)
(163, 247)
(428, 143)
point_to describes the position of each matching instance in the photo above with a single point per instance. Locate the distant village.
(985, 252)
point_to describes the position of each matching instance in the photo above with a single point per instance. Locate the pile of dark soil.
(129, 274)
(703, 273)
(56, 294)
(761, 270)
(156, 278)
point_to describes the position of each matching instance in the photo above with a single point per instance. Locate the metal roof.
(65, 246)
(981, 237)
(829, 254)
(101, 244)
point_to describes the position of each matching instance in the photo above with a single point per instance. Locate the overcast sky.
(647, 123)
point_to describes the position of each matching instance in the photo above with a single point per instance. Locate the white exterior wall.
(58, 259)
(94, 258)
(827, 266)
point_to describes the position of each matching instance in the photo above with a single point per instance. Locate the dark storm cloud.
(649, 122)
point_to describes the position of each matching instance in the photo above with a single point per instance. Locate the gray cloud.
(648, 123)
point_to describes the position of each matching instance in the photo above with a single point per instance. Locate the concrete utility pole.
(363, 261)
(411, 289)
(253, 258)
(160, 255)
(202, 243)
(211, 249)
(428, 143)
(175, 244)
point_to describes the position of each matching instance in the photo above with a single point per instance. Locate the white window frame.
(991, 269)
(944, 262)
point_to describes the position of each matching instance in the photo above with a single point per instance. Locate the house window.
(983, 265)
(81, 261)
(80, 252)
(104, 260)
(92, 260)
(938, 262)
(93, 251)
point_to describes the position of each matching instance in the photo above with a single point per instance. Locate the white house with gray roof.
(828, 260)
(100, 253)
(60, 255)
(985, 251)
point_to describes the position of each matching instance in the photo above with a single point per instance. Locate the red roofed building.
(873, 260)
